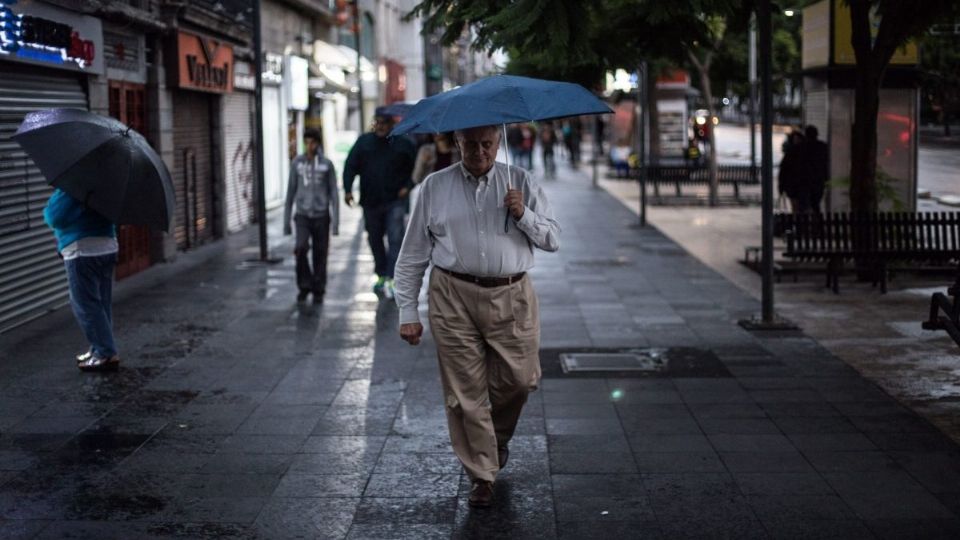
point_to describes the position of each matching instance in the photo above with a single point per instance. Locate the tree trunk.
(863, 142)
(653, 120)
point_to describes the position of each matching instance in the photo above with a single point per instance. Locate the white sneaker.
(389, 290)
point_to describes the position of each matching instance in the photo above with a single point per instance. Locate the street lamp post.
(355, 8)
(641, 139)
(768, 319)
(258, 122)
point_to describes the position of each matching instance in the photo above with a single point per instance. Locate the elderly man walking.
(477, 222)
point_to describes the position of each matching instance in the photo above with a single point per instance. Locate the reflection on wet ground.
(240, 414)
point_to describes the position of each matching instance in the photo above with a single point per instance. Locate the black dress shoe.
(481, 494)
(317, 297)
(503, 454)
(302, 296)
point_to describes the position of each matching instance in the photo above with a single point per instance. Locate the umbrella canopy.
(400, 108)
(102, 162)
(500, 99)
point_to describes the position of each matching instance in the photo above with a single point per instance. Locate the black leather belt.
(484, 281)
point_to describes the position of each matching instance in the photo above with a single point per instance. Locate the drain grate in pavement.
(647, 360)
(675, 362)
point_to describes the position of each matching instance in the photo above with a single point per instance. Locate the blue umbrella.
(500, 99)
(400, 108)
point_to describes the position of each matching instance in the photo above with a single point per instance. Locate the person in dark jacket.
(385, 166)
(816, 164)
(791, 182)
(313, 187)
(87, 242)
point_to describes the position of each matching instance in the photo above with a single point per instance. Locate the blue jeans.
(385, 219)
(91, 293)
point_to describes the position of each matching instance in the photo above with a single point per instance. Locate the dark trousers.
(312, 233)
(384, 220)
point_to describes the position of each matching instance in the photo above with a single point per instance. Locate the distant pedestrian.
(571, 136)
(816, 166)
(514, 141)
(87, 241)
(790, 181)
(692, 154)
(528, 137)
(484, 313)
(620, 158)
(548, 140)
(433, 156)
(313, 188)
(385, 166)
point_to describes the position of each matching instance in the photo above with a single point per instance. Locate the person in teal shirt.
(87, 241)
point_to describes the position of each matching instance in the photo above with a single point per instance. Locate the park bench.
(687, 175)
(950, 321)
(875, 238)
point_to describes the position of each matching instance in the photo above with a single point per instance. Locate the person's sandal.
(95, 363)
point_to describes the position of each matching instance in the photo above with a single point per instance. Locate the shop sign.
(243, 78)
(272, 68)
(40, 34)
(204, 64)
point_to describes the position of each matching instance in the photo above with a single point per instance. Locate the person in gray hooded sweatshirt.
(313, 187)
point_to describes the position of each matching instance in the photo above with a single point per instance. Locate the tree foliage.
(576, 40)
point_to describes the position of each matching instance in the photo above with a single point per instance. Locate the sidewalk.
(239, 414)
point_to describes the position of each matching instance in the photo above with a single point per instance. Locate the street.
(238, 413)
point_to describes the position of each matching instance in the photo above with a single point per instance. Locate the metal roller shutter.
(238, 159)
(192, 175)
(32, 279)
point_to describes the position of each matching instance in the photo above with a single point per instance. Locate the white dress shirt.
(458, 224)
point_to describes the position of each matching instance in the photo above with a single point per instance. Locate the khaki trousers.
(488, 342)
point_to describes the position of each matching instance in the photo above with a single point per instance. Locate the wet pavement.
(239, 414)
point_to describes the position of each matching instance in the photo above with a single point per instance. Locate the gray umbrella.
(102, 162)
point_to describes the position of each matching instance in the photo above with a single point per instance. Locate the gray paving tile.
(412, 485)
(886, 495)
(782, 483)
(592, 462)
(587, 443)
(678, 462)
(670, 443)
(296, 485)
(386, 511)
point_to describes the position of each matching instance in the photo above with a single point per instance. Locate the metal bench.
(875, 238)
(950, 321)
(681, 175)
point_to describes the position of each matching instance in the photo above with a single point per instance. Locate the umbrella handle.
(506, 217)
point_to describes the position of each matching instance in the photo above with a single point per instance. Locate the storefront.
(204, 72)
(45, 63)
(127, 76)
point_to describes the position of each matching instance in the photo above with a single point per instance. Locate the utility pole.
(258, 106)
(642, 138)
(752, 78)
(768, 319)
(355, 8)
